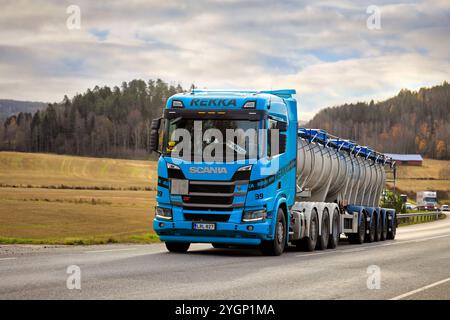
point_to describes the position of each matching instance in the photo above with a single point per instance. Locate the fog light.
(250, 228)
(161, 224)
(163, 213)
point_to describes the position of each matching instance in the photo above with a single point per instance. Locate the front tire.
(178, 247)
(276, 246)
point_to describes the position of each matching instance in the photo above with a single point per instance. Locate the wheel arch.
(282, 204)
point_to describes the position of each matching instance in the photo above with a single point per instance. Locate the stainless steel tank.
(330, 174)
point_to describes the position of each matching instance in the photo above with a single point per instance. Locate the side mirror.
(154, 135)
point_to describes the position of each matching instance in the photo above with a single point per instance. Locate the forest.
(101, 122)
(105, 122)
(410, 122)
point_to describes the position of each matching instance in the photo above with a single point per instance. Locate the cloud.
(321, 48)
(99, 34)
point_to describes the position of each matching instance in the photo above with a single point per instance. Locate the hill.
(11, 107)
(411, 122)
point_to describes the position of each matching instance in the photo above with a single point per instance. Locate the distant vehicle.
(410, 206)
(445, 207)
(427, 200)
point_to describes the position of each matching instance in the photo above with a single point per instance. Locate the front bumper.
(226, 232)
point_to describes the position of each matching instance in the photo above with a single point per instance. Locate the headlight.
(252, 216)
(245, 168)
(172, 166)
(163, 213)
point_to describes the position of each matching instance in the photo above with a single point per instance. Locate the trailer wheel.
(392, 229)
(309, 242)
(179, 247)
(378, 228)
(358, 237)
(276, 246)
(334, 236)
(370, 237)
(322, 242)
(384, 229)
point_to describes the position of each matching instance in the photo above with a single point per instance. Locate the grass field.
(75, 200)
(433, 175)
(57, 199)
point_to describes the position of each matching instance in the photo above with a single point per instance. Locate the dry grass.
(35, 169)
(433, 175)
(71, 216)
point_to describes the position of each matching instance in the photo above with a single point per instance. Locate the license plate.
(204, 226)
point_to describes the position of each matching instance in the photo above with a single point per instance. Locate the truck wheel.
(358, 238)
(370, 237)
(378, 228)
(384, 229)
(392, 229)
(322, 242)
(276, 246)
(179, 247)
(334, 236)
(309, 243)
(220, 245)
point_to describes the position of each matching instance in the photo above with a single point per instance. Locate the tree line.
(411, 122)
(100, 122)
(116, 122)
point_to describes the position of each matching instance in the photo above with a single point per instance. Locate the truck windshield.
(223, 140)
(430, 199)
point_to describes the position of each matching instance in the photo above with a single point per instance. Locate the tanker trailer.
(339, 185)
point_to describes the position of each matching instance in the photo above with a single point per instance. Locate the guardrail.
(411, 218)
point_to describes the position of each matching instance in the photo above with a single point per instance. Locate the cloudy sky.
(324, 49)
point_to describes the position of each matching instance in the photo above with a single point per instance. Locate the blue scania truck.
(278, 184)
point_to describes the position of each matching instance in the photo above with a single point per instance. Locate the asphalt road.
(414, 266)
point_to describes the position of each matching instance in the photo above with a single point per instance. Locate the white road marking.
(4, 259)
(110, 250)
(314, 254)
(420, 289)
(355, 250)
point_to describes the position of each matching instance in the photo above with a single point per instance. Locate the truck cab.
(427, 200)
(227, 168)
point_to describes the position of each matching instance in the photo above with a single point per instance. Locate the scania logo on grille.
(202, 170)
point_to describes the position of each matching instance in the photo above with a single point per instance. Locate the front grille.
(193, 208)
(207, 217)
(211, 188)
(208, 199)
